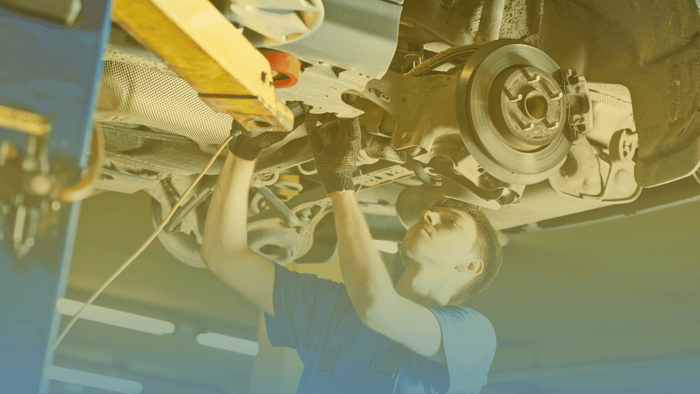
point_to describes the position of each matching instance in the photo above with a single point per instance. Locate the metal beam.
(207, 51)
(48, 74)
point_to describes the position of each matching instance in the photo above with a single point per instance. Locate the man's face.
(442, 237)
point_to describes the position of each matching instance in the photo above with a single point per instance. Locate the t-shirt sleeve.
(302, 305)
(469, 341)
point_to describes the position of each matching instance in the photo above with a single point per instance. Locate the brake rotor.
(513, 116)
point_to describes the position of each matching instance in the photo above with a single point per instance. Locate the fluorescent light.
(226, 342)
(385, 246)
(92, 380)
(115, 318)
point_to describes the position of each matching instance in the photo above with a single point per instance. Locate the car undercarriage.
(542, 113)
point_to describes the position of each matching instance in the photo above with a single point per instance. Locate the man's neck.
(422, 287)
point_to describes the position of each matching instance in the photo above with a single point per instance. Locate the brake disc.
(513, 116)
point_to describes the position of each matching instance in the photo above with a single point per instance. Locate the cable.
(145, 244)
(84, 188)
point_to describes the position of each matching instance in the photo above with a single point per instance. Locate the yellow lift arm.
(207, 51)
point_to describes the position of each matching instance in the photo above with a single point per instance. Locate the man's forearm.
(225, 230)
(366, 278)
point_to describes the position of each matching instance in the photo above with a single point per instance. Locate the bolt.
(551, 126)
(534, 79)
(304, 215)
(56, 206)
(511, 98)
(556, 96)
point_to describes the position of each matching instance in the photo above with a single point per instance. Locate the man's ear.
(476, 266)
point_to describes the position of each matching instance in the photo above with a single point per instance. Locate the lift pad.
(207, 51)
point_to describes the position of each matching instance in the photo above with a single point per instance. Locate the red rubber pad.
(286, 65)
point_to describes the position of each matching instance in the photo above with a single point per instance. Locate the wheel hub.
(527, 108)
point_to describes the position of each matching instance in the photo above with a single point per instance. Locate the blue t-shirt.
(342, 355)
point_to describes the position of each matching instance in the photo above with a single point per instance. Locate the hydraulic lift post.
(50, 65)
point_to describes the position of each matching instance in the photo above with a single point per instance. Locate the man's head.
(454, 240)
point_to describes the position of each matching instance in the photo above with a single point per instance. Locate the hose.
(84, 188)
(145, 244)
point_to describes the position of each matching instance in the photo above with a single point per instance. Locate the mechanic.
(366, 335)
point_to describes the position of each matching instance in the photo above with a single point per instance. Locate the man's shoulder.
(464, 318)
(460, 310)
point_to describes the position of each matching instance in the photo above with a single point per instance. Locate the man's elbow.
(214, 250)
(373, 313)
(218, 258)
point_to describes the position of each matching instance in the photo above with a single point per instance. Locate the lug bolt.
(513, 99)
(551, 126)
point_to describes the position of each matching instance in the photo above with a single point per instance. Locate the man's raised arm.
(366, 279)
(225, 243)
(367, 282)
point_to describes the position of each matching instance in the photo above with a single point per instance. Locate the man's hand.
(249, 148)
(335, 155)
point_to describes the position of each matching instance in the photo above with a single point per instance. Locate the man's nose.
(430, 217)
